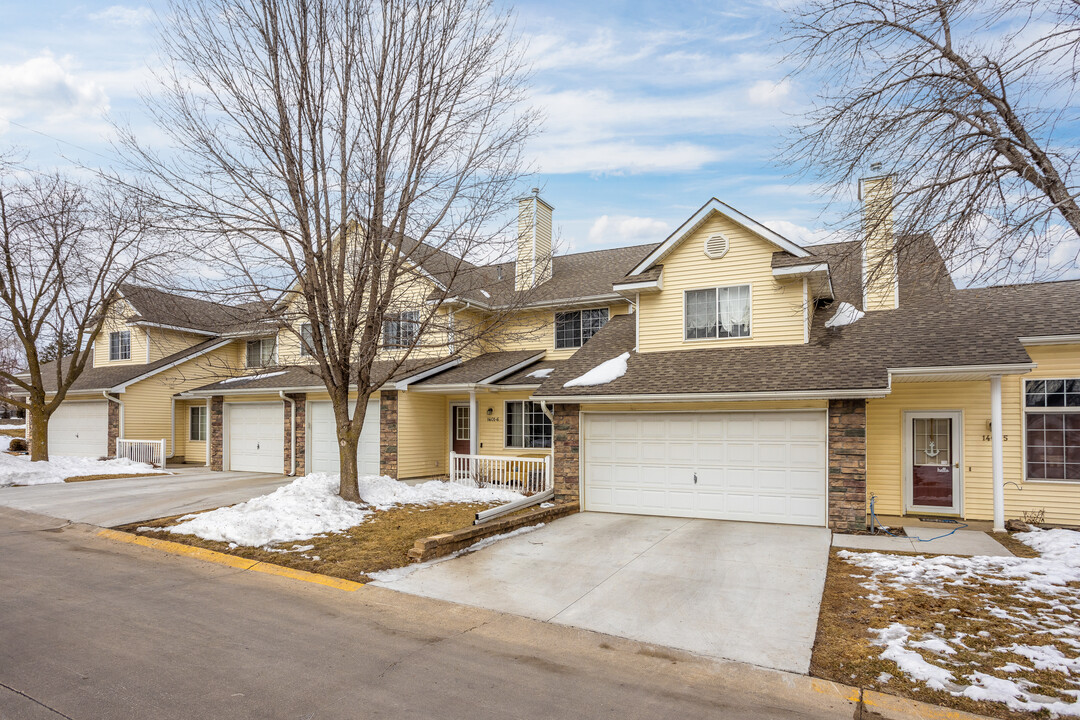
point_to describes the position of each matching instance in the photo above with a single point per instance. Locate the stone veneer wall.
(217, 407)
(388, 433)
(114, 429)
(566, 443)
(301, 433)
(847, 465)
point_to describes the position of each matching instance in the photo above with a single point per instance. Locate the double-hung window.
(720, 312)
(306, 339)
(526, 425)
(573, 329)
(197, 423)
(1052, 429)
(120, 345)
(400, 329)
(260, 353)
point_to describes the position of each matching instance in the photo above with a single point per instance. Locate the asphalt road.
(94, 629)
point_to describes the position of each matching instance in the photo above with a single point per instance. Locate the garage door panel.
(757, 466)
(257, 437)
(80, 429)
(323, 454)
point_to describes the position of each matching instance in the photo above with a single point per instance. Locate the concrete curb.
(175, 548)
(899, 708)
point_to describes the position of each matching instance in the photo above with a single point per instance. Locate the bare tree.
(64, 249)
(344, 160)
(969, 104)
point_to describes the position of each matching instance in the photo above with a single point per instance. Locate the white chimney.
(534, 242)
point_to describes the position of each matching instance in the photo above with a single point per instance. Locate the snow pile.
(1036, 596)
(310, 506)
(254, 377)
(845, 314)
(543, 373)
(18, 470)
(5, 441)
(602, 374)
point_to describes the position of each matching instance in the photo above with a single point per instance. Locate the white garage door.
(80, 429)
(757, 466)
(257, 437)
(322, 439)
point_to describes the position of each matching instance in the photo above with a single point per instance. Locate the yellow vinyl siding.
(879, 262)
(115, 322)
(884, 441)
(777, 310)
(423, 435)
(191, 451)
(163, 343)
(535, 330)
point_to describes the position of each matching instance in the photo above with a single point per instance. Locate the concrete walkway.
(739, 591)
(928, 540)
(133, 499)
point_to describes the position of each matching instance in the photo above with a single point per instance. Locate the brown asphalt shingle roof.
(522, 376)
(273, 379)
(479, 368)
(164, 308)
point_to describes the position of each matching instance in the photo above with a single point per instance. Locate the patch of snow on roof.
(485, 293)
(845, 314)
(602, 374)
(254, 377)
(542, 373)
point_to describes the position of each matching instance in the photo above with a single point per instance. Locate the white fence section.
(151, 452)
(525, 475)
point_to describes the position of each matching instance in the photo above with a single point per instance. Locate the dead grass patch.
(1017, 548)
(13, 432)
(844, 649)
(86, 478)
(380, 543)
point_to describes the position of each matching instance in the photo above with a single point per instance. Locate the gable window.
(197, 423)
(720, 312)
(260, 353)
(573, 329)
(120, 345)
(526, 425)
(1052, 429)
(306, 339)
(401, 329)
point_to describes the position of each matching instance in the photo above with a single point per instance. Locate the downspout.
(172, 429)
(209, 424)
(120, 429)
(292, 433)
(637, 320)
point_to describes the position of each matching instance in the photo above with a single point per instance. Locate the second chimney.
(533, 265)
(879, 272)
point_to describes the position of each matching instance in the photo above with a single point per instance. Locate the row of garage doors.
(256, 435)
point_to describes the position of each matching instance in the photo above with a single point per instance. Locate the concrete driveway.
(740, 591)
(126, 500)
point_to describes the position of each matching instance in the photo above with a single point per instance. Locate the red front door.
(460, 428)
(932, 462)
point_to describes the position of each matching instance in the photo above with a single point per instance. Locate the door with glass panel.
(932, 462)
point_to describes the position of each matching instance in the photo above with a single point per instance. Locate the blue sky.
(651, 108)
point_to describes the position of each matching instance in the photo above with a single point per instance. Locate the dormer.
(533, 265)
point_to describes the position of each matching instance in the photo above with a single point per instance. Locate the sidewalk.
(937, 540)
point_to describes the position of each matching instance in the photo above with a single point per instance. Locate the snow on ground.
(1037, 598)
(602, 374)
(5, 441)
(18, 470)
(310, 506)
(845, 314)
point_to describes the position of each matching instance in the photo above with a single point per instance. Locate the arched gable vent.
(716, 246)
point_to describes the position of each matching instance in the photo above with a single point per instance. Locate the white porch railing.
(524, 475)
(151, 452)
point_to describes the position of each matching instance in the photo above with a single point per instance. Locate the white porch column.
(474, 423)
(997, 453)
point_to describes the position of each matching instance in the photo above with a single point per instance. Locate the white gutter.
(178, 328)
(120, 428)
(1008, 369)
(172, 428)
(1050, 340)
(716, 397)
(639, 285)
(800, 269)
(292, 433)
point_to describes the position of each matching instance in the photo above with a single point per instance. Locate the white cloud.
(799, 234)
(123, 15)
(767, 92)
(615, 230)
(46, 88)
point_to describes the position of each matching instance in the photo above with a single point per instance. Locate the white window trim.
(273, 356)
(1024, 410)
(555, 327)
(120, 333)
(205, 422)
(506, 423)
(748, 285)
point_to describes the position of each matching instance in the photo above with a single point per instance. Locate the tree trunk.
(39, 433)
(349, 489)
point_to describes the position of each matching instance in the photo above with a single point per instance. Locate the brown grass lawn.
(844, 649)
(12, 432)
(380, 543)
(84, 478)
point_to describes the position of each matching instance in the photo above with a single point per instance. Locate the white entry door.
(256, 437)
(322, 439)
(80, 429)
(757, 466)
